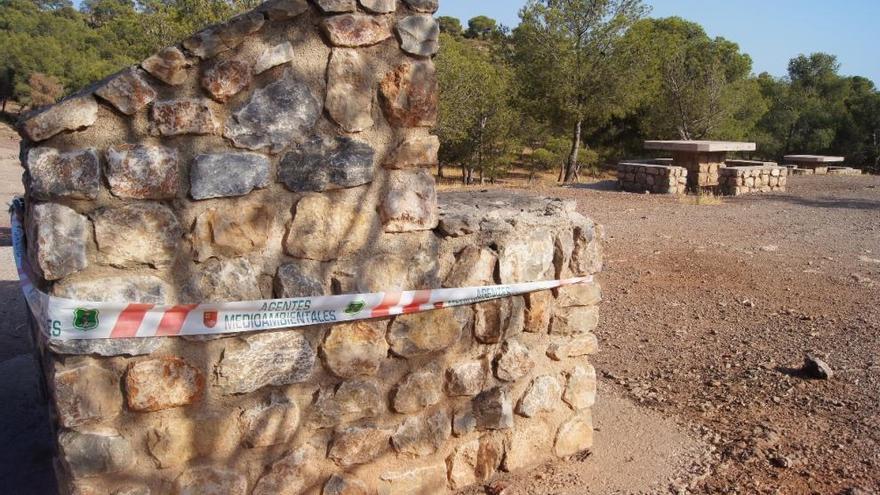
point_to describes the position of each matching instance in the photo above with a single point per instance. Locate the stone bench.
(739, 180)
(647, 177)
(843, 171)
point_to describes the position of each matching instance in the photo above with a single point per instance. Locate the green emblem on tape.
(85, 319)
(355, 307)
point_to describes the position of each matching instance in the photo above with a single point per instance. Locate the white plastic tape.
(67, 319)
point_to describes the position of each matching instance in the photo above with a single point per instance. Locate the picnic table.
(702, 159)
(817, 163)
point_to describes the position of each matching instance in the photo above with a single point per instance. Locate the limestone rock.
(222, 175)
(428, 6)
(139, 171)
(580, 390)
(513, 362)
(128, 92)
(467, 379)
(358, 444)
(233, 233)
(280, 10)
(57, 237)
(225, 280)
(353, 400)
(424, 480)
(526, 257)
(274, 116)
(463, 421)
(355, 349)
(218, 39)
(411, 202)
(354, 30)
(584, 294)
(95, 452)
(184, 116)
(379, 6)
(86, 394)
(418, 390)
(317, 236)
(491, 320)
(274, 56)
(489, 457)
(586, 258)
(74, 174)
(539, 310)
(137, 233)
(292, 475)
(419, 35)
(321, 165)
(422, 436)
(299, 279)
(270, 424)
(423, 333)
(414, 152)
(345, 484)
(385, 272)
(530, 436)
(130, 288)
(168, 65)
(475, 461)
(226, 79)
(162, 383)
(72, 114)
(350, 90)
(336, 6)
(209, 480)
(272, 358)
(541, 396)
(456, 225)
(171, 444)
(568, 347)
(575, 435)
(474, 267)
(493, 409)
(575, 321)
(409, 95)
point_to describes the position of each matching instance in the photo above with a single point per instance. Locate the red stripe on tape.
(389, 300)
(130, 320)
(173, 319)
(421, 297)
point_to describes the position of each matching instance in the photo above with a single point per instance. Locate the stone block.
(168, 65)
(427, 6)
(541, 396)
(184, 116)
(423, 333)
(463, 420)
(231, 233)
(58, 237)
(526, 257)
(218, 39)
(539, 310)
(576, 320)
(475, 461)
(271, 358)
(528, 444)
(513, 362)
(128, 91)
(409, 94)
(467, 378)
(137, 234)
(418, 390)
(584, 294)
(279, 10)
(493, 410)
(93, 452)
(420, 436)
(491, 320)
(574, 435)
(474, 267)
(350, 87)
(86, 394)
(138, 171)
(326, 164)
(274, 116)
(345, 484)
(53, 174)
(270, 424)
(299, 279)
(580, 387)
(317, 236)
(274, 56)
(379, 6)
(414, 152)
(221, 175)
(293, 474)
(355, 30)
(225, 281)
(410, 203)
(359, 444)
(71, 114)
(336, 6)
(226, 79)
(209, 480)
(424, 480)
(419, 35)
(162, 383)
(355, 349)
(353, 400)
(567, 347)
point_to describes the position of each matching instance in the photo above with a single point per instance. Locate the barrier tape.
(67, 319)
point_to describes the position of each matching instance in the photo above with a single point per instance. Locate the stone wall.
(748, 179)
(285, 154)
(647, 177)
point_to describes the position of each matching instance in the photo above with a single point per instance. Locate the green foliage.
(481, 27)
(450, 25)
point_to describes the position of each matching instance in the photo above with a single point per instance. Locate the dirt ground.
(708, 312)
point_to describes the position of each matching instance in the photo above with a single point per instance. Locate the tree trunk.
(571, 169)
(440, 170)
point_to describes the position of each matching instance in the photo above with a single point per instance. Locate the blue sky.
(771, 31)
